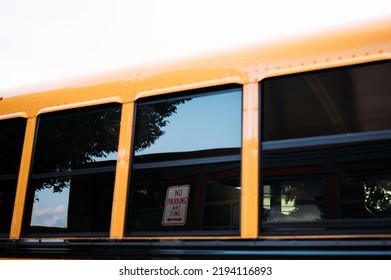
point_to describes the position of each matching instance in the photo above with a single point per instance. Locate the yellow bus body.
(247, 66)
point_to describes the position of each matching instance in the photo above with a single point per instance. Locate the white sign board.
(175, 207)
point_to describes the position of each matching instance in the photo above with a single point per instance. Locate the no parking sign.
(175, 206)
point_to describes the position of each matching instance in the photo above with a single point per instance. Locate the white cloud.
(50, 217)
(50, 208)
(45, 211)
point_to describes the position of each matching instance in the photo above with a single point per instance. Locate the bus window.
(72, 180)
(186, 163)
(326, 150)
(11, 144)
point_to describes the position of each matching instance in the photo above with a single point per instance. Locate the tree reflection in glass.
(192, 139)
(72, 182)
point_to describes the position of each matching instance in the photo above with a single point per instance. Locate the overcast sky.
(48, 40)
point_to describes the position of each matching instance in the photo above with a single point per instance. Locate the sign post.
(175, 207)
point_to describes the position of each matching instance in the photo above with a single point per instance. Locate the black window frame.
(336, 226)
(78, 172)
(210, 160)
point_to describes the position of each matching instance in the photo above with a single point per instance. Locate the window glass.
(339, 101)
(72, 183)
(294, 200)
(190, 124)
(365, 196)
(11, 145)
(326, 150)
(72, 204)
(186, 164)
(213, 202)
(76, 140)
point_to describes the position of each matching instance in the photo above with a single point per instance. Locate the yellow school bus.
(274, 150)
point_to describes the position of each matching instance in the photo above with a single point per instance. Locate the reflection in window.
(189, 124)
(82, 205)
(51, 208)
(338, 101)
(11, 144)
(294, 200)
(365, 197)
(194, 141)
(71, 187)
(213, 201)
(77, 139)
(334, 125)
